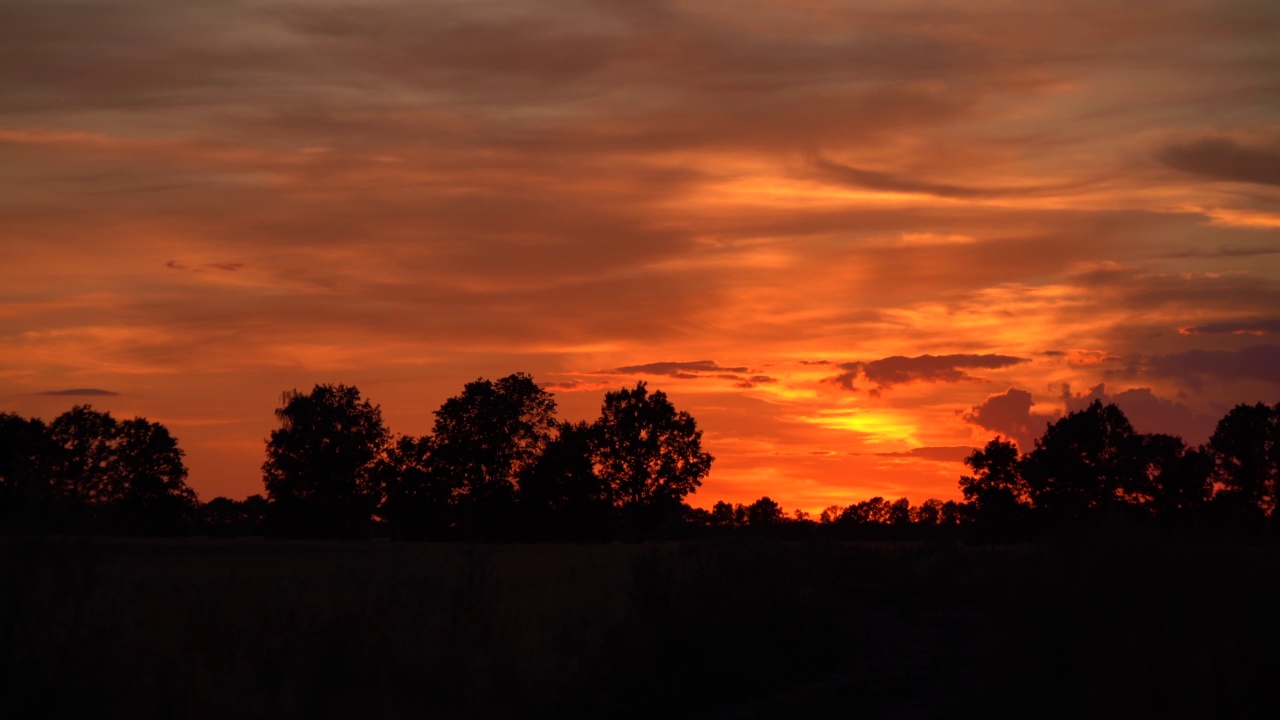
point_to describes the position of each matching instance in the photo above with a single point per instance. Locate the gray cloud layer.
(1257, 362)
(898, 369)
(1225, 159)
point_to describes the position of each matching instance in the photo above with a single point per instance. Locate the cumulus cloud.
(1009, 414)
(898, 370)
(1225, 159)
(80, 392)
(1148, 413)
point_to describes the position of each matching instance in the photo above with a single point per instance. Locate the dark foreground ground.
(741, 629)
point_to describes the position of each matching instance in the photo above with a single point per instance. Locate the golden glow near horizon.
(851, 238)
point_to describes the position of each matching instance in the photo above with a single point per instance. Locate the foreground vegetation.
(499, 467)
(1104, 627)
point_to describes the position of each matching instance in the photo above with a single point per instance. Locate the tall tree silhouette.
(484, 440)
(318, 472)
(562, 496)
(1245, 448)
(83, 454)
(1086, 463)
(26, 495)
(996, 493)
(1181, 484)
(418, 503)
(650, 454)
(148, 467)
(88, 472)
(764, 513)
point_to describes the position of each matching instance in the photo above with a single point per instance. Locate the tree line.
(87, 472)
(499, 465)
(1091, 467)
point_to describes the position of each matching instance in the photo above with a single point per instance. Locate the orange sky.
(853, 239)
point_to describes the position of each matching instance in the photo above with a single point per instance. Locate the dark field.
(733, 629)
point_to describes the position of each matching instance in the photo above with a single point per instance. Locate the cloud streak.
(1225, 159)
(899, 370)
(80, 392)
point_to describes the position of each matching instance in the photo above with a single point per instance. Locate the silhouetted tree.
(650, 455)
(153, 497)
(88, 472)
(318, 472)
(484, 441)
(26, 495)
(996, 493)
(417, 502)
(868, 512)
(950, 514)
(1180, 479)
(1245, 448)
(900, 513)
(1087, 462)
(561, 495)
(722, 514)
(927, 513)
(83, 454)
(764, 513)
(224, 517)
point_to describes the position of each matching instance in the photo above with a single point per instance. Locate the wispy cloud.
(947, 454)
(1221, 158)
(684, 370)
(80, 392)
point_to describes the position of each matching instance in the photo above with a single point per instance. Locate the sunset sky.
(853, 239)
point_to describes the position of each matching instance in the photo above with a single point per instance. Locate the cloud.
(692, 370)
(1225, 251)
(80, 392)
(897, 183)
(950, 453)
(683, 370)
(1257, 362)
(1009, 414)
(898, 370)
(1242, 327)
(1225, 159)
(1148, 413)
(227, 266)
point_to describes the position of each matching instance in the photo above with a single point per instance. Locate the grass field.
(734, 629)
